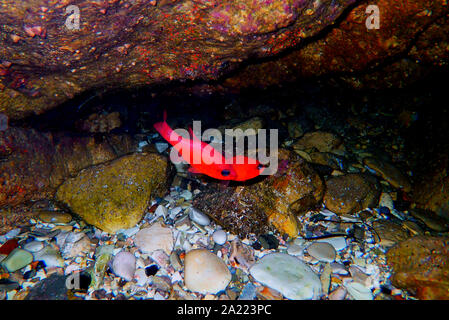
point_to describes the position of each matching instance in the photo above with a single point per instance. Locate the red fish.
(203, 158)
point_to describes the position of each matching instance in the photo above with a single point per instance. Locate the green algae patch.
(114, 195)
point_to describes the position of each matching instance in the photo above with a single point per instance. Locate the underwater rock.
(100, 122)
(124, 265)
(416, 28)
(322, 141)
(114, 195)
(33, 164)
(16, 260)
(389, 233)
(389, 172)
(156, 237)
(430, 219)
(421, 266)
(274, 201)
(54, 217)
(204, 272)
(351, 193)
(430, 190)
(133, 43)
(288, 275)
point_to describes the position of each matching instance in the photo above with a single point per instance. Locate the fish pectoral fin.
(194, 170)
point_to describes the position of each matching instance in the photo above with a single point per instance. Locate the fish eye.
(260, 166)
(225, 173)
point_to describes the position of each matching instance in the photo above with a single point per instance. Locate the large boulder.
(275, 201)
(33, 164)
(114, 195)
(421, 266)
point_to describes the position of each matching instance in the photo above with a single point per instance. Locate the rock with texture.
(272, 202)
(114, 195)
(288, 275)
(390, 173)
(35, 163)
(389, 233)
(155, 237)
(141, 42)
(204, 272)
(351, 193)
(421, 266)
(319, 140)
(54, 217)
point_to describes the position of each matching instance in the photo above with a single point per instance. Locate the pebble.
(124, 265)
(154, 238)
(186, 194)
(161, 146)
(288, 275)
(12, 234)
(220, 237)
(33, 246)
(54, 217)
(322, 251)
(386, 201)
(17, 259)
(339, 243)
(248, 292)
(338, 294)
(204, 272)
(359, 291)
(73, 249)
(198, 217)
(128, 232)
(174, 212)
(161, 211)
(50, 256)
(141, 277)
(338, 268)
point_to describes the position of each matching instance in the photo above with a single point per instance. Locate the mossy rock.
(114, 195)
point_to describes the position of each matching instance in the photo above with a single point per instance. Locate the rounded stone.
(54, 217)
(204, 272)
(322, 251)
(33, 246)
(154, 238)
(124, 265)
(288, 275)
(198, 217)
(17, 259)
(220, 237)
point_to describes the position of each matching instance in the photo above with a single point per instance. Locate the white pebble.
(198, 217)
(124, 265)
(33, 246)
(219, 237)
(359, 291)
